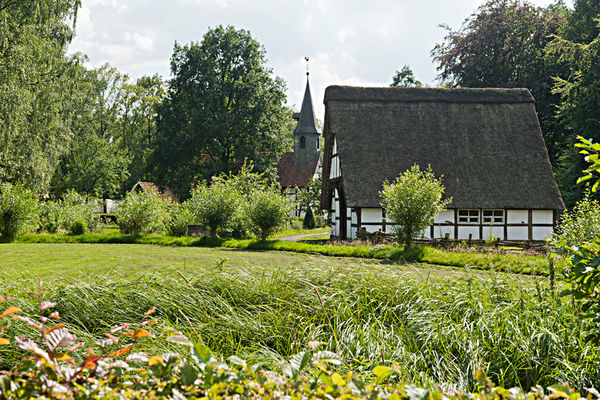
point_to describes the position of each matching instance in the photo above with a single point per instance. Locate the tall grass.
(437, 330)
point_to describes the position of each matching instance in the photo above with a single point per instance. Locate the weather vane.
(306, 58)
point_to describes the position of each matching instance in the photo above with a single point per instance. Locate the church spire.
(306, 120)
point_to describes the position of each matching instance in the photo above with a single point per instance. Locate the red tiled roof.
(292, 175)
(164, 194)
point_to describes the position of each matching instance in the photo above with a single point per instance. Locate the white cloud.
(141, 41)
(345, 33)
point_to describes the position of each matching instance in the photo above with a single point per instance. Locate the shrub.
(62, 214)
(266, 212)
(78, 227)
(309, 219)
(580, 225)
(142, 213)
(18, 211)
(412, 201)
(214, 206)
(180, 217)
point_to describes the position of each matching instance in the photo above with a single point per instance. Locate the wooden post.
(530, 225)
(456, 224)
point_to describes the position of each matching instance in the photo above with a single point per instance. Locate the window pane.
(487, 213)
(462, 212)
(498, 213)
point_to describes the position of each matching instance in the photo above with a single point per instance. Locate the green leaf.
(298, 362)
(328, 357)
(382, 372)
(188, 375)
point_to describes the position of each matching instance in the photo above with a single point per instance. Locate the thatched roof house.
(486, 143)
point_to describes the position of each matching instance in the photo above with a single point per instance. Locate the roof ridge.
(433, 95)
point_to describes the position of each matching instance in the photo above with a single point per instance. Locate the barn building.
(296, 168)
(486, 144)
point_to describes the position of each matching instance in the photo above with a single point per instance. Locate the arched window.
(302, 142)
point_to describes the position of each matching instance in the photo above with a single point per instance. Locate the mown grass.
(297, 232)
(527, 264)
(436, 329)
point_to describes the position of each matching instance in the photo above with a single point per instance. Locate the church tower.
(306, 134)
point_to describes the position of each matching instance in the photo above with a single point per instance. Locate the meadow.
(436, 324)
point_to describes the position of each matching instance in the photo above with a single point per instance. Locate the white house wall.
(516, 225)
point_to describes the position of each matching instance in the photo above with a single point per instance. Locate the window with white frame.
(493, 216)
(468, 216)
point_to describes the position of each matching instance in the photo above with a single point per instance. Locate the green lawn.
(51, 261)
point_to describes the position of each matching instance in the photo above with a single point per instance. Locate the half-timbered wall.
(464, 224)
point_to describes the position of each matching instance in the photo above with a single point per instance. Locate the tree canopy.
(223, 106)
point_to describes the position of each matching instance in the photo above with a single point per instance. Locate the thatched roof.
(486, 143)
(291, 175)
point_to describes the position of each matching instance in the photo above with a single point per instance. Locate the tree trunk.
(213, 231)
(263, 236)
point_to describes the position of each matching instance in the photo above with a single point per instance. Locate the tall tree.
(223, 105)
(579, 109)
(36, 82)
(502, 45)
(96, 162)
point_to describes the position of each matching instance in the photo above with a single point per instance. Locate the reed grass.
(436, 330)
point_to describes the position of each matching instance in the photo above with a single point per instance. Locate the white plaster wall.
(426, 233)
(371, 215)
(517, 217)
(335, 168)
(354, 217)
(497, 231)
(542, 217)
(445, 216)
(541, 232)
(353, 233)
(372, 228)
(439, 232)
(334, 152)
(517, 233)
(464, 231)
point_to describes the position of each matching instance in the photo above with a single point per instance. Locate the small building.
(296, 168)
(486, 144)
(164, 192)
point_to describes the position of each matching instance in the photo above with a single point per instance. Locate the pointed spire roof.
(306, 121)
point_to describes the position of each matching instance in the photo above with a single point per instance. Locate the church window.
(302, 142)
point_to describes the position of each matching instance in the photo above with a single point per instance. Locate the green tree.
(502, 45)
(214, 206)
(405, 78)
(412, 201)
(18, 210)
(579, 109)
(222, 106)
(266, 212)
(36, 86)
(96, 163)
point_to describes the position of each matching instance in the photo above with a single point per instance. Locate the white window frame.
(498, 216)
(473, 216)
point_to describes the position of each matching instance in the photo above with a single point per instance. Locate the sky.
(349, 42)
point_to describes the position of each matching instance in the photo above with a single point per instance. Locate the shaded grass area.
(514, 263)
(436, 329)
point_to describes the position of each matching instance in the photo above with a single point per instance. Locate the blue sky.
(349, 42)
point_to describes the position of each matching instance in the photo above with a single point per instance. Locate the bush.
(18, 211)
(180, 217)
(214, 206)
(62, 214)
(266, 212)
(580, 225)
(78, 227)
(412, 201)
(142, 213)
(309, 219)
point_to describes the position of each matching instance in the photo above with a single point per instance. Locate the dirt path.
(299, 237)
